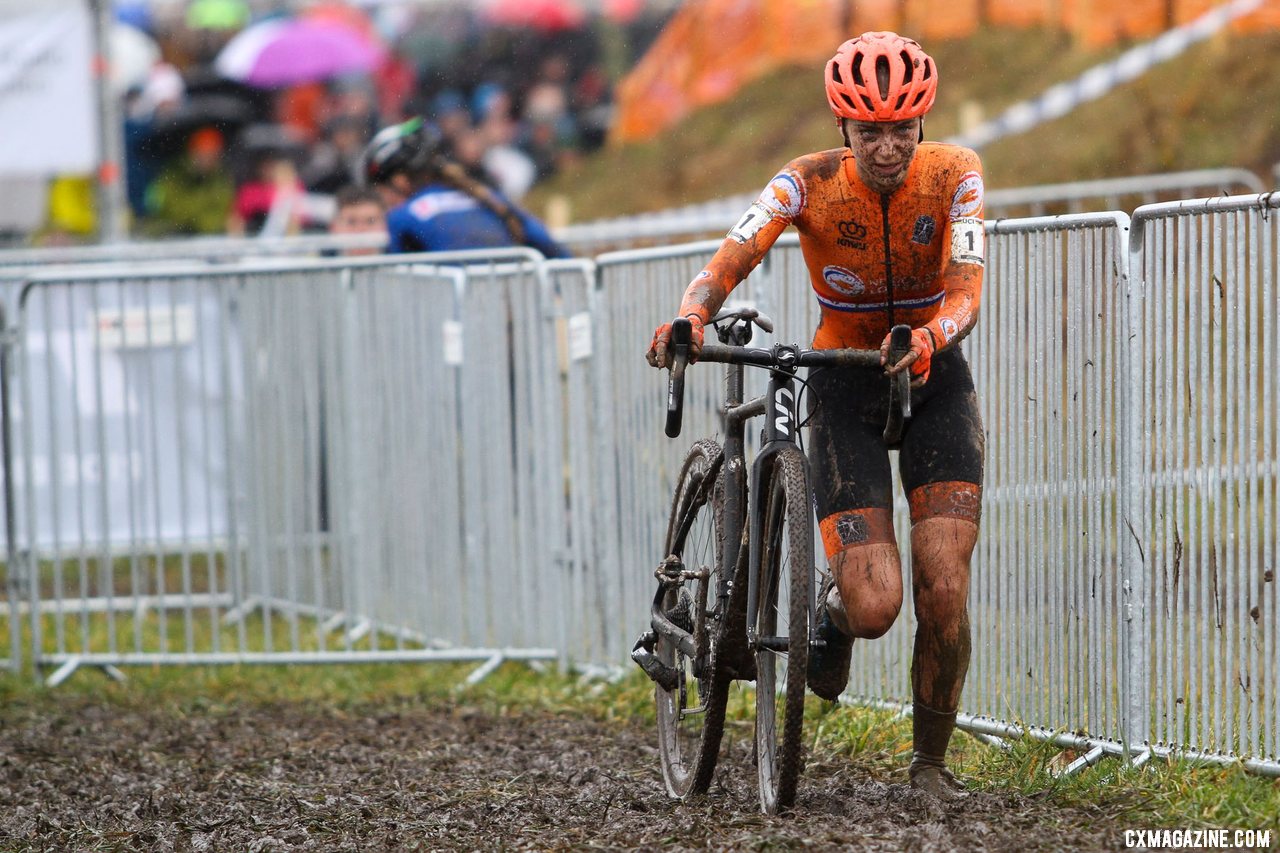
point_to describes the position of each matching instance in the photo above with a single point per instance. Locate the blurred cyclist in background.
(891, 231)
(435, 205)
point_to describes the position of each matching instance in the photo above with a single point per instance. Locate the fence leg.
(485, 669)
(991, 740)
(113, 673)
(240, 611)
(1089, 759)
(63, 672)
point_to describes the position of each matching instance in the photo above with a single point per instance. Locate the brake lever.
(681, 338)
(899, 387)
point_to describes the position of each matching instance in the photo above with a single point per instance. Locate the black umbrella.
(226, 113)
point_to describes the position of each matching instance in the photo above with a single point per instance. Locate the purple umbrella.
(299, 50)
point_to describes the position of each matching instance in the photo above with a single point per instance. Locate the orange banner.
(711, 48)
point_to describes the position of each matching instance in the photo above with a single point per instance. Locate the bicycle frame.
(742, 495)
(743, 500)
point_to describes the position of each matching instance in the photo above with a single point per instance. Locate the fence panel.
(1052, 563)
(128, 468)
(271, 463)
(1209, 410)
(584, 622)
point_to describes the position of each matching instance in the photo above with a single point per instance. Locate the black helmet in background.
(412, 147)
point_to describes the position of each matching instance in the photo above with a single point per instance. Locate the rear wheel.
(691, 717)
(781, 622)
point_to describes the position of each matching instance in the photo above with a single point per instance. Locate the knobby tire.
(786, 522)
(688, 767)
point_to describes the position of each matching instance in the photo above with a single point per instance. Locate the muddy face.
(883, 150)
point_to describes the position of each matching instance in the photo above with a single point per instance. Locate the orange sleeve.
(964, 252)
(746, 244)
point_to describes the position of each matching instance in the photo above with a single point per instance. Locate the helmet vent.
(906, 62)
(882, 75)
(835, 72)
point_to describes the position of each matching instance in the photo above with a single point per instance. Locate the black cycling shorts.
(944, 442)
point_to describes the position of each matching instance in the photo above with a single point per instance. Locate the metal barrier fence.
(281, 464)
(1212, 444)
(408, 459)
(1071, 621)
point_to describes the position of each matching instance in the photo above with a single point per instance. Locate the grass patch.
(1163, 794)
(1172, 794)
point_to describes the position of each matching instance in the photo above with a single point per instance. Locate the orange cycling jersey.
(914, 256)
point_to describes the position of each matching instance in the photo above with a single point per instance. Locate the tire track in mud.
(409, 776)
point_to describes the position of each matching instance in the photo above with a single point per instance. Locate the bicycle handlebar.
(757, 357)
(790, 359)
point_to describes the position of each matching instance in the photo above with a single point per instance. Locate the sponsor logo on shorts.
(949, 328)
(843, 280)
(785, 195)
(852, 529)
(923, 233)
(967, 200)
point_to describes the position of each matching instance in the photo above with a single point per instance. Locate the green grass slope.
(1217, 105)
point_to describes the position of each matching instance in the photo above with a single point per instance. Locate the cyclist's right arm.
(742, 250)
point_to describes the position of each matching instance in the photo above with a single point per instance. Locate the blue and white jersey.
(440, 218)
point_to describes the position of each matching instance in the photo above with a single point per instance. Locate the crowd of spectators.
(205, 155)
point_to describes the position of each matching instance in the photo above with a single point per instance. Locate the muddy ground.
(409, 776)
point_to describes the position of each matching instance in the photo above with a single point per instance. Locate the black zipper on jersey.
(888, 257)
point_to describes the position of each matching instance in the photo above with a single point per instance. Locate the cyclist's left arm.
(964, 254)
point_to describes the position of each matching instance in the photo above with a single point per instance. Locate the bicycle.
(715, 617)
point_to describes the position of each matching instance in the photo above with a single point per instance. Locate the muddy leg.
(863, 601)
(868, 575)
(941, 549)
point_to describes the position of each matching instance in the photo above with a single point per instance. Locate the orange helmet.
(853, 90)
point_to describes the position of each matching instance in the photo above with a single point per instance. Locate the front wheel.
(786, 560)
(691, 717)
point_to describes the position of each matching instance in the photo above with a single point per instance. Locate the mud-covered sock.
(931, 733)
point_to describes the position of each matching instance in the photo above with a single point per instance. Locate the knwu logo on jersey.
(852, 235)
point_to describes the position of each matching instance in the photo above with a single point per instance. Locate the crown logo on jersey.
(852, 235)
